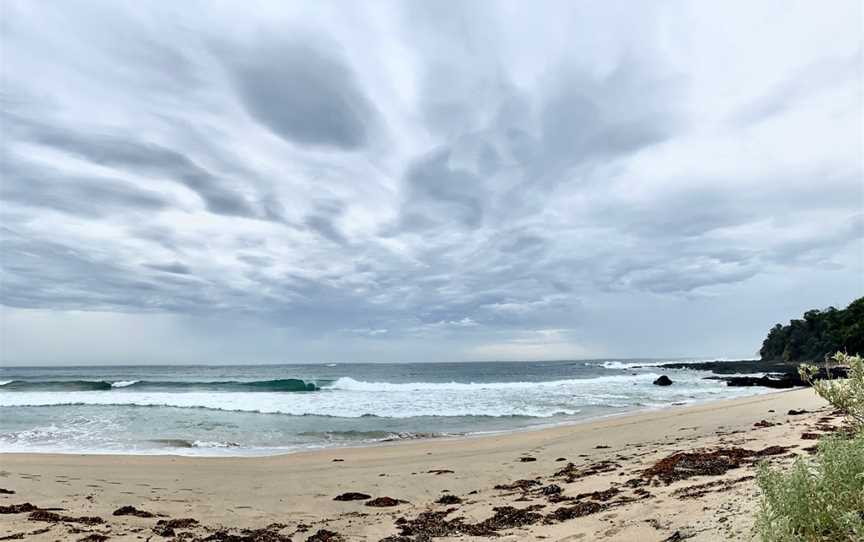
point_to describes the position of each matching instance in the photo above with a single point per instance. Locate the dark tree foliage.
(818, 334)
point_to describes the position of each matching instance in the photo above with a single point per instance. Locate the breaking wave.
(278, 385)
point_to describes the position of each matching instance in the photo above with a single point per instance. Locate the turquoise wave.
(278, 385)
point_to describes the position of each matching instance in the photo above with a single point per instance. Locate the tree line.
(818, 334)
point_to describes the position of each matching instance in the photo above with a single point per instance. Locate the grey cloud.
(586, 119)
(439, 191)
(152, 159)
(811, 79)
(176, 268)
(89, 197)
(322, 221)
(529, 181)
(503, 167)
(149, 159)
(304, 93)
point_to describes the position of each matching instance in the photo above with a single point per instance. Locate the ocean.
(271, 409)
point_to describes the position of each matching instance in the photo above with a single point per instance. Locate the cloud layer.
(423, 181)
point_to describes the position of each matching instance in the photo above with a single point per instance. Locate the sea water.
(268, 409)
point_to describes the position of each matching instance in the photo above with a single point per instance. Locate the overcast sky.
(424, 181)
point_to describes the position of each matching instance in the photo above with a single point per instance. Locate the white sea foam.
(123, 383)
(350, 384)
(4, 382)
(351, 398)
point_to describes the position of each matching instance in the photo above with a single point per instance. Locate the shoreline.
(361, 445)
(602, 457)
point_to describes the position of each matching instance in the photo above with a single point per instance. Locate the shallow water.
(251, 410)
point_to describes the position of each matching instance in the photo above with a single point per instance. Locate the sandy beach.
(588, 481)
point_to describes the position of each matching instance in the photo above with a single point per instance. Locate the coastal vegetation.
(821, 498)
(819, 333)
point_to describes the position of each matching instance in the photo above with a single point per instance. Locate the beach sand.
(608, 456)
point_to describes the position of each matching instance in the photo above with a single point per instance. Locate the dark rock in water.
(132, 511)
(783, 375)
(6, 491)
(94, 537)
(527, 459)
(352, 496)
(663, 381)
(384, 502)
(782, 383)
(794, 412)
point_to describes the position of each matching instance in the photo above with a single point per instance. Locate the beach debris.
(19, 536)
(323, 535)
(571, 472)
(337, 460)
(527, 459)
(522, 485)
(809, 436)
(551, 489)
(384, 502)
(683, 465)
(165, 527)
(764, 423)
(601, 447)
(794, 412)
(428, 525)
(4, 491)
(602, 496)
(635, 483)
(53, 517)
(678, 536)
(448, 499)
(506, 517)
(132, 511)
(700, 490)
(18, 508)
(663, 381)
(352, 496)
(561, 459)
(267, 534)
(577, 510)
(440, 471)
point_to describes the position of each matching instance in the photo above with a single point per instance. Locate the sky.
(413, 181)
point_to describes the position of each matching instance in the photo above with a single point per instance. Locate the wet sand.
(616, 478)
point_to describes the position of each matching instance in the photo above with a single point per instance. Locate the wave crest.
(278, 385)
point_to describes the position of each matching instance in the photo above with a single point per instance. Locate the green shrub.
(818, 499)
(844, 394)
